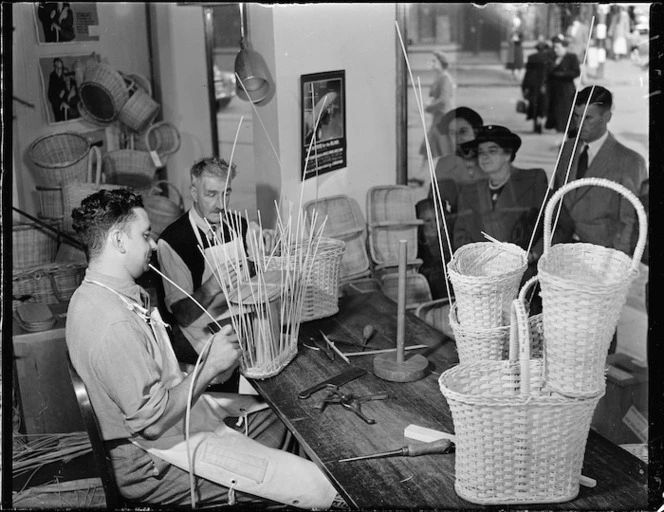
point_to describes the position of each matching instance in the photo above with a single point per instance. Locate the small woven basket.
(486, 278)
(584, 288)
(32, 245)
(103, 92)
(60, 158)
(161, 210)
(493, 344)
(516, 442)
(321, 293)
(129, 167)
(139, 111)
(48, 284)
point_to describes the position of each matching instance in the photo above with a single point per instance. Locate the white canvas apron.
(221, 454)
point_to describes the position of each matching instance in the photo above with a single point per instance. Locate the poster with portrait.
(323, 122)
(59, 88)
(66, 22)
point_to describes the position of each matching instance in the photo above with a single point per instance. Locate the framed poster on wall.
(59, 85)
(323, 122)
(65, 22)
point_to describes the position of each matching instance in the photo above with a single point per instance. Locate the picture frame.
(60, 90)
(66, 22)
(323, 109)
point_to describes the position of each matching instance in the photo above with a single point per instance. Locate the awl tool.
(337, 380)
(410, 450)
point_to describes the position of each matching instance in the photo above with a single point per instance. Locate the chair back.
(99, 451)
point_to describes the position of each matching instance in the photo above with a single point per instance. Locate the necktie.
(582, 166)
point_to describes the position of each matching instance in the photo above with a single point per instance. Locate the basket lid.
(35, 317)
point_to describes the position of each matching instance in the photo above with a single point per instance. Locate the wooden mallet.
(394, 366)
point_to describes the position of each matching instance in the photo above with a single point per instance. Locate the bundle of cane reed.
(266, 305)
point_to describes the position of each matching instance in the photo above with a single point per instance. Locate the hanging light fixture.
(251, 69)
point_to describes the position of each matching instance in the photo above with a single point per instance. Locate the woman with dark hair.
(506, 205)
(561, 86)
(458, 126)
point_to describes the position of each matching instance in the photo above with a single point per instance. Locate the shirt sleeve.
(173, 267)
(627, 217)
(130, 376)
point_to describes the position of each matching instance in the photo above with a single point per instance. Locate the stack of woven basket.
(524, 393)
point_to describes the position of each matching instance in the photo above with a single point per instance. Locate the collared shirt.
(594, 147)
(112, 349)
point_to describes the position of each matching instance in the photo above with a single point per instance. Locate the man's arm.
(223, 354)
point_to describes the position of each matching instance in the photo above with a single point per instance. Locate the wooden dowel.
(401, 304)
(383, 351)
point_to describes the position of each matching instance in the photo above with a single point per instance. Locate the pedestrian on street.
(619, 30)
(534, 85)
(515, 50)
(441, 100)
(560, 85)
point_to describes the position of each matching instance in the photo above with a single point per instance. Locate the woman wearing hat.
(441, 99)
(561, 86)
(458, 126)
(507, 204)
(534, 84)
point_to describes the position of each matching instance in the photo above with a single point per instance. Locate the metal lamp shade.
(254, 74)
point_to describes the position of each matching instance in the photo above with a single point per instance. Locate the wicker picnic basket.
(48, 284)
(32, 245)
(493, 344)
(321, 293)
(103, 92)
(161, 210)
(60, 157)
(139, 111)
(584, 288)
(129, 167)
(486, 278)
(163, 138)
(516, 442)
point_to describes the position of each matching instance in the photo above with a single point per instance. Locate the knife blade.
(337, 380)
(353, 343)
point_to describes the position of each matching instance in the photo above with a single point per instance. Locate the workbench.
(423, 482)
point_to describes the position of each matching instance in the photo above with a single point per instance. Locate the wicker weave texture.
(48, 284)
(516, 442)
(103, 92)
(60, 158)
(492, 344)
(384, 243)
(437, 314)
(584, 287)
(139, 111)
(486, 277)
(50, 202)
(129, 167)
(32, 245)
(393, 203)
(321, 292)
(344, 222)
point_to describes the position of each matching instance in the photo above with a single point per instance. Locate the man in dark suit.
(600, 216)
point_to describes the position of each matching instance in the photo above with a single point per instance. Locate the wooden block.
(387, 367)
(426, 435)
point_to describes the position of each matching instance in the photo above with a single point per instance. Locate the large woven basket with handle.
(516, 442)
(584, 287)
(60, 158)
(139, 111)
(486, 278)
(48, 284)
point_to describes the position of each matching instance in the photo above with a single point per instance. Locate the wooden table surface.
(423, 482)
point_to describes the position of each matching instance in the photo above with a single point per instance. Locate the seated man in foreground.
(120, 348)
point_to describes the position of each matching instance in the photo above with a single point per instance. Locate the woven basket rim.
(58, 165)
(447, 379)
(454, 323)
(452, 265)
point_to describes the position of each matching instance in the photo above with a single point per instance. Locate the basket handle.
(54, 287)
(520, 340)
(156, 184)
(600, 182)
(97, 158)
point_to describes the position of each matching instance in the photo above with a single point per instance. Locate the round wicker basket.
(103, 92)
(60, 158)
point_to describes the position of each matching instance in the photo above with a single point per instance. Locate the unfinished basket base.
(270, 369)
(387, 367)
